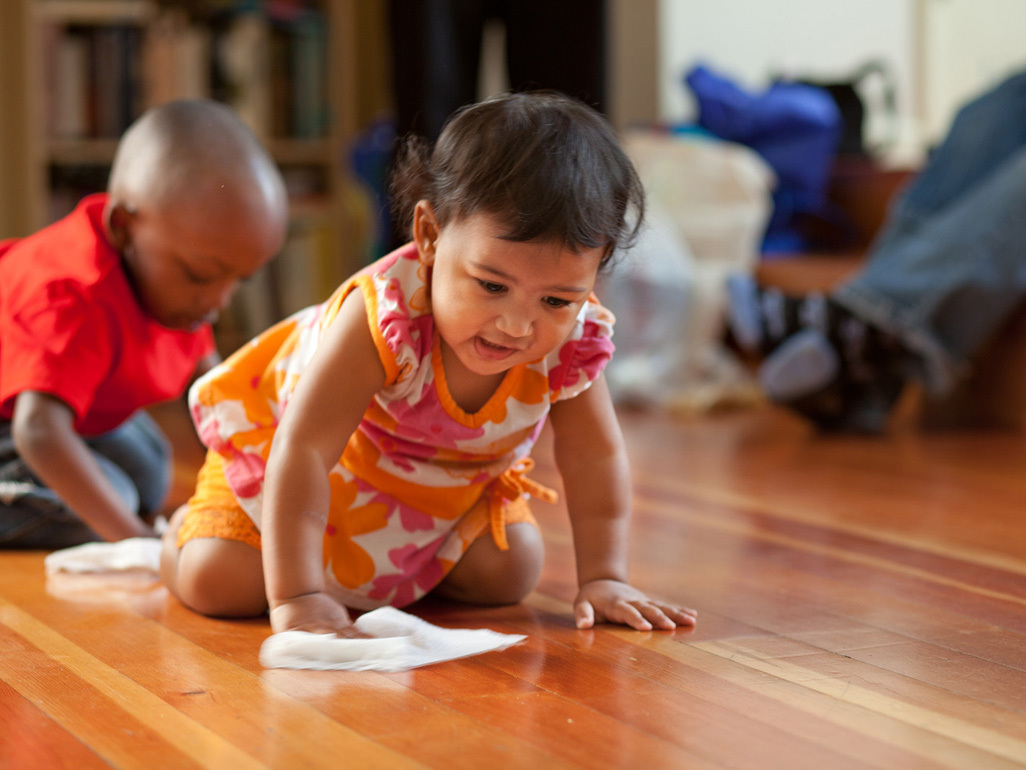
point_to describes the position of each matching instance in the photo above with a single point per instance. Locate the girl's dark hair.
(547, 165)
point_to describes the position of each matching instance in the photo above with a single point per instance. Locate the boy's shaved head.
(195, 204)
(193, 150)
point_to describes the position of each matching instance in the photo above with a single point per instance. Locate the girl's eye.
(491, 288)
(556, 302)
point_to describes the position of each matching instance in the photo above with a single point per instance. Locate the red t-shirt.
(71, 326)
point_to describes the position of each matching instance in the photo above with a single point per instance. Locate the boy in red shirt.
(108, 311)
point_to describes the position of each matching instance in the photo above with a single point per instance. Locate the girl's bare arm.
(328, 403)
(592, 461)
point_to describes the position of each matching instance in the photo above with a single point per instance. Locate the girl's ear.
(117, 221)
(425, 231)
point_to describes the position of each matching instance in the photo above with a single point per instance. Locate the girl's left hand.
(615, 602)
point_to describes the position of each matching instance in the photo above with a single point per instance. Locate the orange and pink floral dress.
(420, 478)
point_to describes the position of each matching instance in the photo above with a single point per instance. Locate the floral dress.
(420, 478)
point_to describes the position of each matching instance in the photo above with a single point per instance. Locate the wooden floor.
(862, 604)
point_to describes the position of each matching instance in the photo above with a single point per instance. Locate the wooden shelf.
(287, 152)
(95, 11)
(73, 152)
(301, 151)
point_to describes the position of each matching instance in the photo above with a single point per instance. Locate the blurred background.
(315, 79)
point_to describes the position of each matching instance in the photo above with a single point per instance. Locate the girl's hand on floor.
(317, 613)
(615, 602)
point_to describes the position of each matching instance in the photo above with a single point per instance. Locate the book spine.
(308, 69)
(108, 80)
(71, 81)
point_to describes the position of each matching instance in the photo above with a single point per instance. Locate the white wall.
(940, 51)
(752, 40)
(970, 44)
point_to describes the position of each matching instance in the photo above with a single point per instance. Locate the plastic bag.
(651, 293)
(708, 202)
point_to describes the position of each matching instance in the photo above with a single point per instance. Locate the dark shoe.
(744, 313)
(836, 392)
(761, 318)
(34, 517)
(818, 358)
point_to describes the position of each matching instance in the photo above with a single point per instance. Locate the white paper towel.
(136, 553)
(402, 641)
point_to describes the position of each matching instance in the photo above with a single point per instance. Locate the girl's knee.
(169, 550)
(215, 577)
(487, 575)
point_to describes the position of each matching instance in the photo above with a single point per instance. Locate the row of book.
(271, 68)
(92, 79)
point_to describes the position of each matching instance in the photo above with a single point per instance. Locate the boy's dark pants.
(135, 457)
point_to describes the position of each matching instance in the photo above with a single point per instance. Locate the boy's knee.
(219, 578)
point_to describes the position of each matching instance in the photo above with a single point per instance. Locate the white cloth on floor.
(136, 553)
(402, 642)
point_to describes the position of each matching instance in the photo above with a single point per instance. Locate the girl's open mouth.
(490, 351)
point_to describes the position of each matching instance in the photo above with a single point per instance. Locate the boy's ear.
(425, 231)
(117, 221)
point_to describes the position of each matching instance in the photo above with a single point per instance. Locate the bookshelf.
(84, 69)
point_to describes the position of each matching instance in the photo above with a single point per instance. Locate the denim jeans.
(950, 266)
(135, 458)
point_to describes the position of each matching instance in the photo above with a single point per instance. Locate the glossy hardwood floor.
(863, 604)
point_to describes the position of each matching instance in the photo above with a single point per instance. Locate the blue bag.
(795, 127)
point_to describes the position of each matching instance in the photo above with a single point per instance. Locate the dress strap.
(508, 487)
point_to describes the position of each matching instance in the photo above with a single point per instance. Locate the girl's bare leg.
(486, 575)
(220, 578)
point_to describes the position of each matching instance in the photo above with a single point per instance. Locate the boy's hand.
(317, 613)
(615, 602)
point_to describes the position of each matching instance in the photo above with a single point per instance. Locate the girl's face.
(499, 303)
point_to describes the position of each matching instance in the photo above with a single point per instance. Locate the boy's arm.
(44, 435)
(325, 409)
(592, 461)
